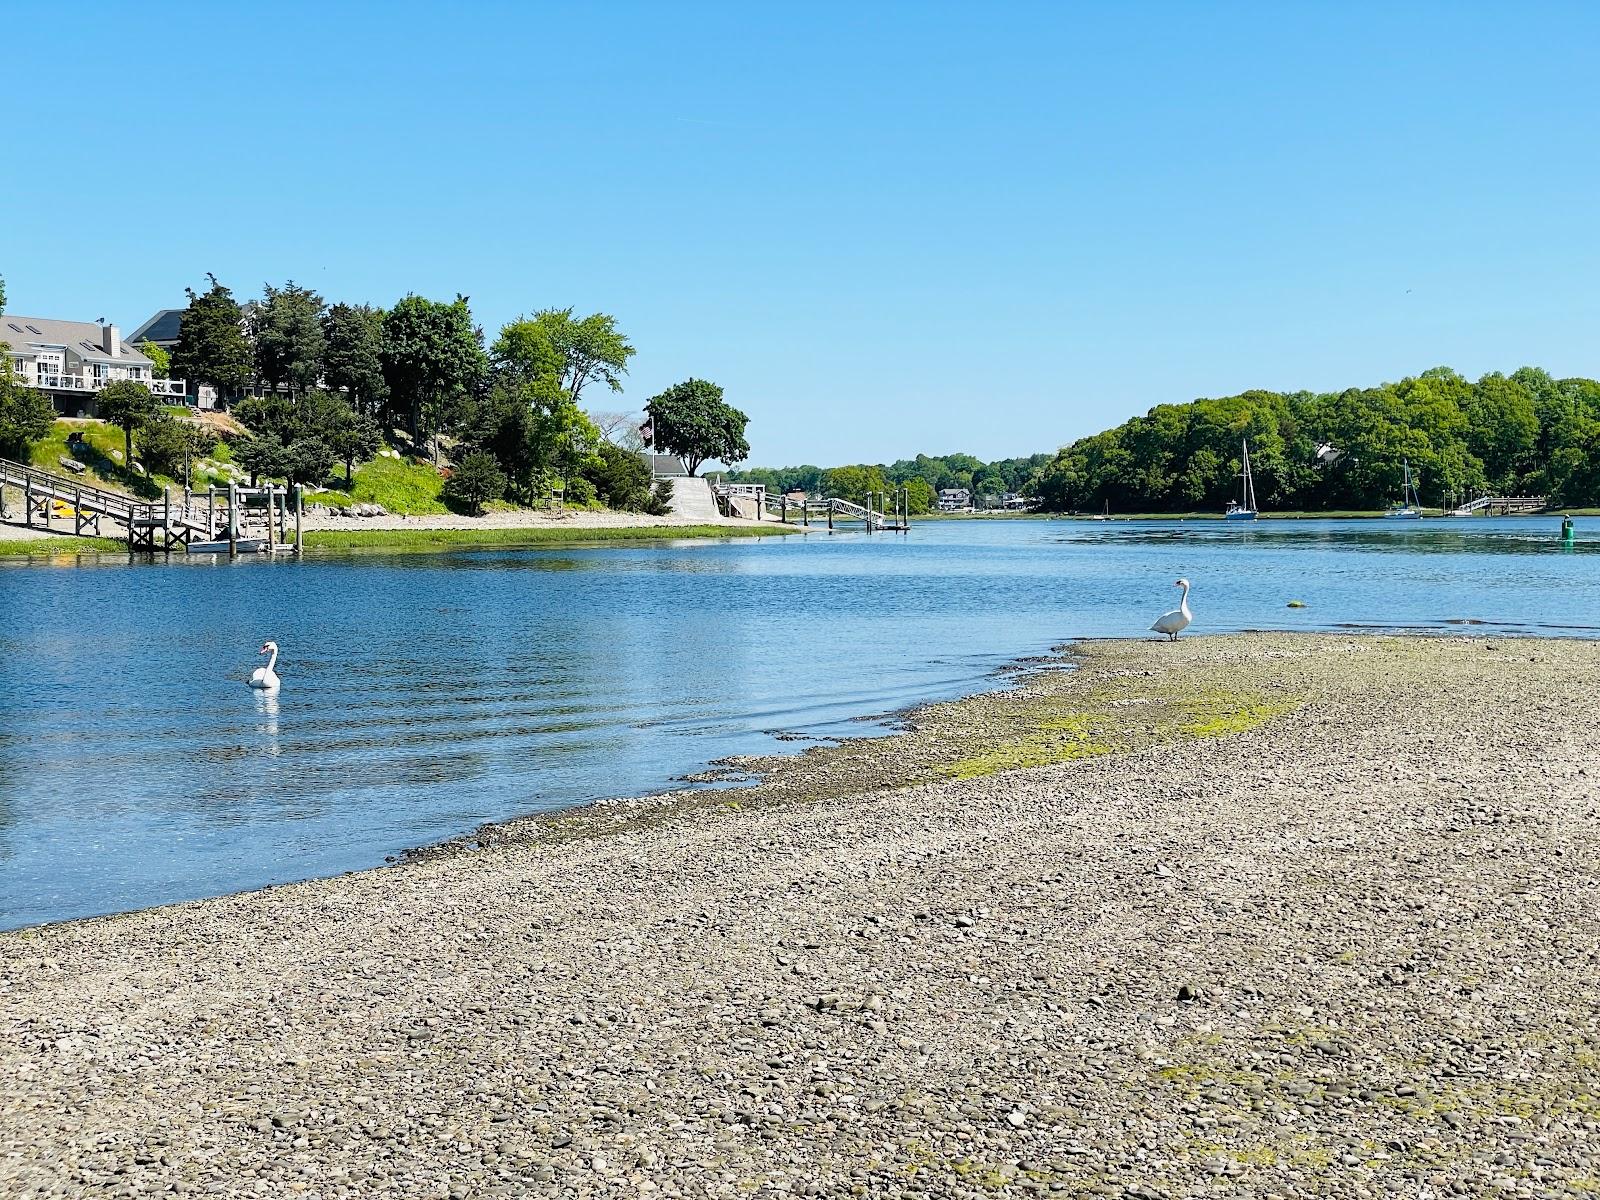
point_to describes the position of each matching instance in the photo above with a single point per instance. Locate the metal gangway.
(1501, 506)
(884, 512)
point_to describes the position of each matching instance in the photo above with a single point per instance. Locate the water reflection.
(426, 693)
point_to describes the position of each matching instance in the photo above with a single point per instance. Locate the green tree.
(26, 415)
(920, 496)
(530, 420)
(691, 419)
(476, 480)
(352, 359)
(621, 478)
(211, 345)
(433, 359)
(1502, 429)
(287, 329)
(588, 349)
(160, 360)
(129, 404)
(355, 438)
(853, 483)
(308, 460)
(263, 456)
(162, 442)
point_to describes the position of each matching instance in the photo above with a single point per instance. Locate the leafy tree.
(352, 359)
(1502, 429)
(432, 357)
(128, 403)
(692, 420)
(287, 328)
(476, 480)
(160, 360)
(588, 349)
(529, 420)
(211, 345)
(356, 438)
(855, 482)
(920, 496)
(26, 415)
(322, 420)
(308, 460)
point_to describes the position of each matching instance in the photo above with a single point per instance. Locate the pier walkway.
(1502, 506)
(231, 520)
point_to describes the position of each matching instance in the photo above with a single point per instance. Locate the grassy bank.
(443, 539)
(52, 546)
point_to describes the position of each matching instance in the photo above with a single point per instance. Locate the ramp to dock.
(693, 498)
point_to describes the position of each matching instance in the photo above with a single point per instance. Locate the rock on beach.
(1256, 916)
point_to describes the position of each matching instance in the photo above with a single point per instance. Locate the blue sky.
(883, 228)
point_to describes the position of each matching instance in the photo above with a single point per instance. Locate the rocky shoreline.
(1252, 916)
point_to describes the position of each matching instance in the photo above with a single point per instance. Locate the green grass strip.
(445, 539)
(51, 546)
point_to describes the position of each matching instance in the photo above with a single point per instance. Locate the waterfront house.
(955, 500)
(70, 361)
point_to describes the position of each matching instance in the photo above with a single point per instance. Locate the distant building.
(796, 496)
(160, 330)
(955, 500)
(70, 361)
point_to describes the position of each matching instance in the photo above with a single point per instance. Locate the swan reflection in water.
(267, 710)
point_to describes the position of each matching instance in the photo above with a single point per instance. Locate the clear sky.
(883, 228)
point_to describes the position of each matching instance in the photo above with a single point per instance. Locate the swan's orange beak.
(263, 650)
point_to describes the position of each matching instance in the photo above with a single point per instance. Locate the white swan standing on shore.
(265, 678)
(1175, 622)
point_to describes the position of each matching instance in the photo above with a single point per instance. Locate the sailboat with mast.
(1409, 508)
(1244, 508)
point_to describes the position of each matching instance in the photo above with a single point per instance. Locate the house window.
(99, 370)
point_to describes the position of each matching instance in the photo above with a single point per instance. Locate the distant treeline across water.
(1519, 434)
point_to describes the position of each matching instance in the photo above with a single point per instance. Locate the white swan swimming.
(1175, 622)
(265, 677)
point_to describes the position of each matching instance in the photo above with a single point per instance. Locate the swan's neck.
(272, 661)
(1184, 603)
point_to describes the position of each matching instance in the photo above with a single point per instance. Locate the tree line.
(1524, 433)
(319, 384)
(923, 477)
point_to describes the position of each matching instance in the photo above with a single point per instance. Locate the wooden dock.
(231, 520)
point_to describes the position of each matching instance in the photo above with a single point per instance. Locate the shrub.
(476, 480)
(25, 417)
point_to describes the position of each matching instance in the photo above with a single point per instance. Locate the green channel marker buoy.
(1297, 604)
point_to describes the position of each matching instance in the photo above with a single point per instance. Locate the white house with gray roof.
(72, 360)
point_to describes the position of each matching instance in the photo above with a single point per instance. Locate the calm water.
(424, 694)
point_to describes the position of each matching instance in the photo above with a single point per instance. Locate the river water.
(427, 693)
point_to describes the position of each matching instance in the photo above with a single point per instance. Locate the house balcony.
(163, 389)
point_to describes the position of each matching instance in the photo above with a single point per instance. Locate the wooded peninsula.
(1524, 433)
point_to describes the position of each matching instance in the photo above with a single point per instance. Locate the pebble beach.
(1249, 916)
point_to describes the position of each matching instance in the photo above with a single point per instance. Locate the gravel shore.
(1255, 916)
